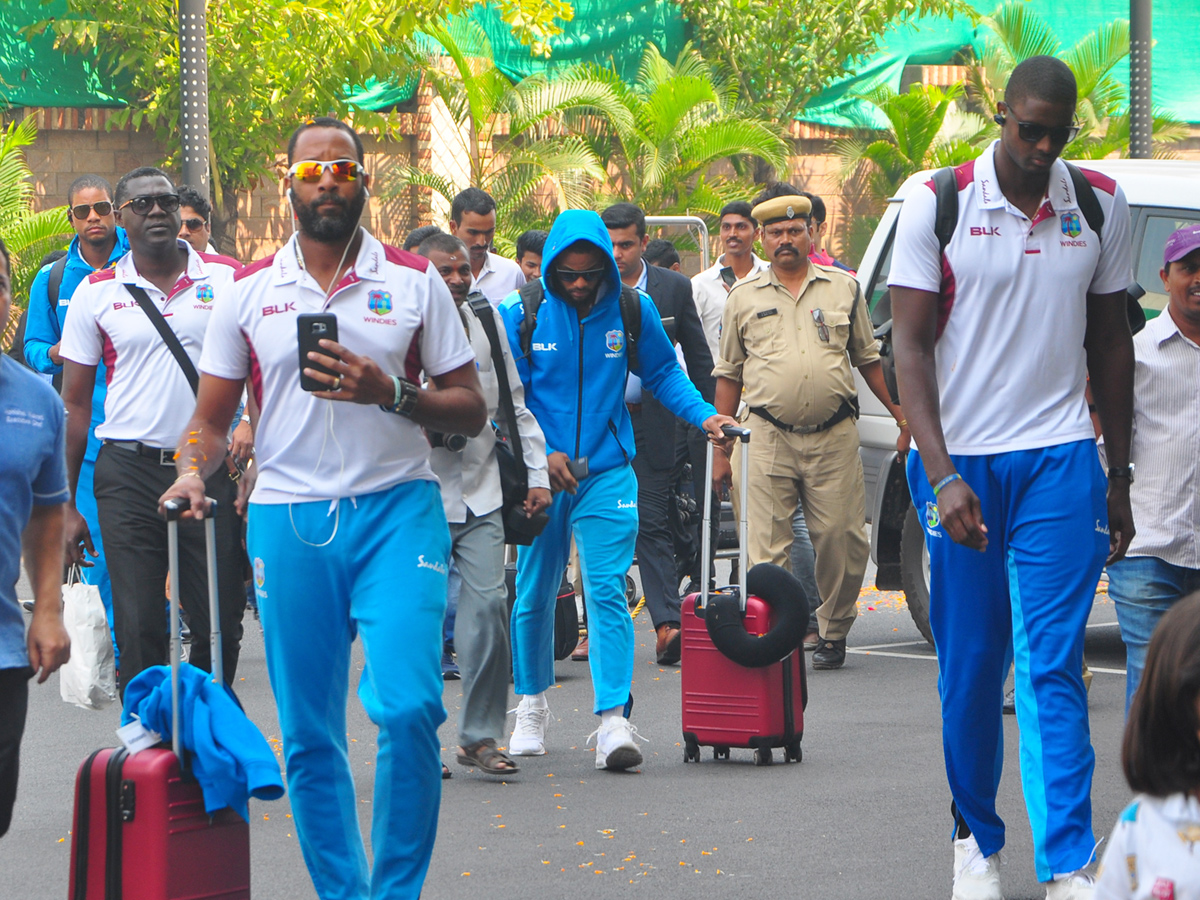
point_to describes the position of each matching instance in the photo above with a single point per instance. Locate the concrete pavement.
(865, 814)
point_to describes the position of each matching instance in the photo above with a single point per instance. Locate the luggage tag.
(137, 737)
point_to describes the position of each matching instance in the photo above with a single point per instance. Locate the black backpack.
(532, 295)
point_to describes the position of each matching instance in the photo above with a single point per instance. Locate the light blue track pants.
(382, 578)
(602, 515)
(1031, 591)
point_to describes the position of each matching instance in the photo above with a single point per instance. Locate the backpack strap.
(482, 307)
(1089, 203)
(170, 338)
(532, 294)
(631, 320)
(945, 187)
(54, 285)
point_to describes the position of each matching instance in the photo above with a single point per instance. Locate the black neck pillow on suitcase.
(780, 590)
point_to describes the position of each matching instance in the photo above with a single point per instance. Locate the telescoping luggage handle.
(743, 435)
(175, 508)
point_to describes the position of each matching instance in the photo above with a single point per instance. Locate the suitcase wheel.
(762, 756)
(720, 753)
(792, 752)
(691, 751)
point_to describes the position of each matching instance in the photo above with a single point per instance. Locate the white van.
(1163, 195)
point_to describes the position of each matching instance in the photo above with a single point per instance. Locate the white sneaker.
(976, 877)
(1076, 886)
(615, 749)
(529, 737)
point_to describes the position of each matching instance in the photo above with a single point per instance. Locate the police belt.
(846, 410)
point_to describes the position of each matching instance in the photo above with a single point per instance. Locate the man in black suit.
(654, 427)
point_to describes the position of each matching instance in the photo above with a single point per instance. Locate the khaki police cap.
(777, 209)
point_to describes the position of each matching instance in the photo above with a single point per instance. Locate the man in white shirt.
(346, 527)
(473, 221)
(471, 495)
(710, 288)
(996, 333)
(145, 409)
(1163, 562)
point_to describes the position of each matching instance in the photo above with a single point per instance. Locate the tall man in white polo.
(145, 409)
(995, 340)
(346, 527)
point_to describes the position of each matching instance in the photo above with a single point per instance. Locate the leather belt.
(164, 457)
(846, 410)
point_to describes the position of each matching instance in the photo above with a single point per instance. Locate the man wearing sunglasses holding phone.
(147, 404)
(996, 335)
(98, 243)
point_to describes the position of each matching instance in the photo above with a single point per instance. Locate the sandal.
(446, 773)
(485, 756)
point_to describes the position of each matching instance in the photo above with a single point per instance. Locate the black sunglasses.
(570, 276)
(193, 224)
(83, 210)
(1032, 133)
(168, 203)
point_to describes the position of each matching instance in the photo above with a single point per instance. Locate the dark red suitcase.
(727, 705)
(140, 830)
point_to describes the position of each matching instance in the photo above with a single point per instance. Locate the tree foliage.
(533, 171)
(28, 235)
(1017, 33)
(664, 134)
(271, 64)
(781, 54)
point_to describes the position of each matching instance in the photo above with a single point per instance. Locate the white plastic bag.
(89, 678)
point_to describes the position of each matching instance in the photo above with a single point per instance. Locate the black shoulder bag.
(171, 339)
(514, 475)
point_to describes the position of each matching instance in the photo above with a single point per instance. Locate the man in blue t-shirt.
(33, 496)
(98, 244)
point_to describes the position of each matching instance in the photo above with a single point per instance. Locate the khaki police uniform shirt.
(770, 343)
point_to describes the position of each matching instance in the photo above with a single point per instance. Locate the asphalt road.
(865, 815)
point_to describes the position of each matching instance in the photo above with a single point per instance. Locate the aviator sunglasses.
(313, 170)
(168, 203)
(1031, 132)
(83, 210)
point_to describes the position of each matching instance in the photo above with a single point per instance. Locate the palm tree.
(28, 235)
(540, 168)
(925, 130)
(1017, 33)
(673, 126)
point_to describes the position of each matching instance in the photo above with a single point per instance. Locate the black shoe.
(829, 654)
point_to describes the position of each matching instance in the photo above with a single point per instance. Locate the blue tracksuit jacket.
(575, 375)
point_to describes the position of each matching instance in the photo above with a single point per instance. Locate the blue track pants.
(603, 516)
(382, 578)
(1026, 600)
(85, 502)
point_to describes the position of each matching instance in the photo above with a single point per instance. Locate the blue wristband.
(945, 481)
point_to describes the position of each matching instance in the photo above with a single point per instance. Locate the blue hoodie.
(586, 416)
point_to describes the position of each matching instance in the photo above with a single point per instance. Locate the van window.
(879, 298)
(1159, 225)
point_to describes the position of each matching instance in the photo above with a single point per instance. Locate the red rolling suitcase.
(140, 830)
(724, 704)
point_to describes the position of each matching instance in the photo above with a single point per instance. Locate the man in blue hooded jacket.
(574, 377)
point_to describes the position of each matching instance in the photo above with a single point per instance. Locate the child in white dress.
(1154, 852)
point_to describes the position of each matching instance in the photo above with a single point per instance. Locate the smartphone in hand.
(310, 329)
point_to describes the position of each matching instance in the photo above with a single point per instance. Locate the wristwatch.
(405, 399)
(1121, 472)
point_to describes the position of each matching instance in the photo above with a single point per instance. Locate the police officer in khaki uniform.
(789, 337)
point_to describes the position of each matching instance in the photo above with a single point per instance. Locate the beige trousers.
(823, 472)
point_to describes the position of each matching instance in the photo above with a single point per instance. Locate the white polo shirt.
(149, 398)
(498, 278)
(391, 306)
(710, 292)
(1011, 367)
